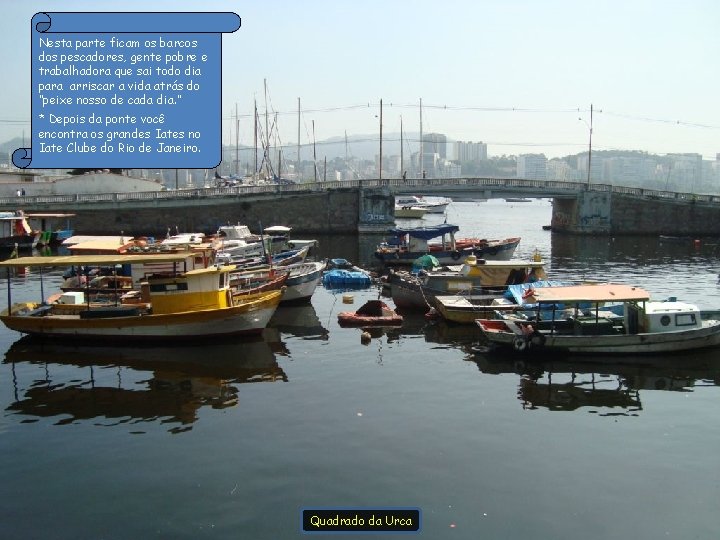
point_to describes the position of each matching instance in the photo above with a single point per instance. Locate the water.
(231, 440)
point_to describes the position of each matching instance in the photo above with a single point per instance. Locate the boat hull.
(250, 317)
(499, 334)
(302, 282)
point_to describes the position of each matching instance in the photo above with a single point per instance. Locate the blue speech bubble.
(126, 90)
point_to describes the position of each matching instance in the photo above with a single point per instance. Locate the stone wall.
(616, 214)
(330, 211)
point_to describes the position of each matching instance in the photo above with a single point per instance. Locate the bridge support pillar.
(376, 210)
(588, 213)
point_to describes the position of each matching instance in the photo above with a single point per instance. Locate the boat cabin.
(661, 316)
(415, 239)
(590, 310)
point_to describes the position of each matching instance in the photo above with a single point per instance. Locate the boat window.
(685, 319)
(165, 287)
(665, 320)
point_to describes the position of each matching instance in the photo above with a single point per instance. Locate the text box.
(126, 90)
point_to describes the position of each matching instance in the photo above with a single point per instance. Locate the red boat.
(372, 313)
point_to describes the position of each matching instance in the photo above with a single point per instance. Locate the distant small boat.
(430, 207)
(547, 227)
(517, 199)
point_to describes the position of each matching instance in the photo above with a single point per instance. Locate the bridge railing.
(395, 185)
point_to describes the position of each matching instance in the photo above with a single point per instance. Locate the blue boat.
(407, 244)
(340, 278)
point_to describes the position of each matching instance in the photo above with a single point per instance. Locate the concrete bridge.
(367, 206)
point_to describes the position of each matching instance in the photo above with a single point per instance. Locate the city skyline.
(518, 76)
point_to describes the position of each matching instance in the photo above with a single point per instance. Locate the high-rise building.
(532, 166)
(470, 151)
(435, 143)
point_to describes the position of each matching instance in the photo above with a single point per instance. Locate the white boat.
(281, 241)
(184, 239)
(430, 207)
(237, 242)
(645, 326)
(179, 305)
(303, 280)
(300, 284)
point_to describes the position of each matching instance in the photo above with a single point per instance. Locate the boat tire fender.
(536, 339)
(520, 344)
(455, 255)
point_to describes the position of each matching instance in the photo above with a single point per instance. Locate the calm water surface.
(231, 440)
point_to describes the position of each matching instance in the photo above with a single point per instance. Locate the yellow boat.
(180, 304)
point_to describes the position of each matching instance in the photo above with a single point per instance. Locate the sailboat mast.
(297, 172)
(266, 143)
(422, 148)
(314, 154)
(590, 143)
(237, 142)
(380, 164)
(401, 146)
(255, 170)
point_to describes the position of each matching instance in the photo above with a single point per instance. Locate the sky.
(519, 75)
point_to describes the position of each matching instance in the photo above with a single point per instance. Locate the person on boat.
(404, 177)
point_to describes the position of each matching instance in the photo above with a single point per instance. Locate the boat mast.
(590, 144)
(255, 170)
(314, 154)
(401, 147)
(380, 164)
(297, 172)
(267, 133)
(421, 140)
(237, 142)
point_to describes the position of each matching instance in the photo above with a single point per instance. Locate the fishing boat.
(300, 284)
(407, 244)
(372, 313)
(474, 277)
(280, 239)
(54, 227)
(645, 327)
(16, 232)
(182, 304)
(463, 308)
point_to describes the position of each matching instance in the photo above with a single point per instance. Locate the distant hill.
(12, 145)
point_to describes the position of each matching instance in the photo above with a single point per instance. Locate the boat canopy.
(100, 260)
(609, 292)
(425, 233)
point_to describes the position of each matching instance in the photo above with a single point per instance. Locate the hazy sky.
(511, 73)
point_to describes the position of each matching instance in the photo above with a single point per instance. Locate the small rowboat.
(372, 313)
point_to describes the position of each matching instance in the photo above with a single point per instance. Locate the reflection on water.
(133, 385)
(604, 384)
(300, 321)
